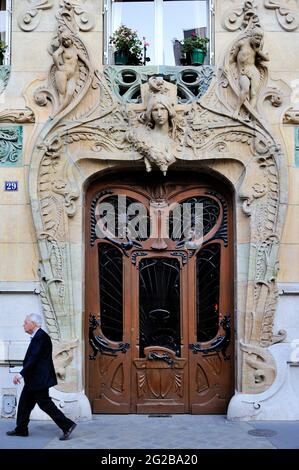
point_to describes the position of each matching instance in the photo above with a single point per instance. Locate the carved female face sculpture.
(159, 111)
(159, 114)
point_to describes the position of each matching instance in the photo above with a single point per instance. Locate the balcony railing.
(192, 82)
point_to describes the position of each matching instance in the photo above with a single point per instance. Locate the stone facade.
(74, 127)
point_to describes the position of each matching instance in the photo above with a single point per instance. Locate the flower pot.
(197, 57)
(121, 58)
(1, 58)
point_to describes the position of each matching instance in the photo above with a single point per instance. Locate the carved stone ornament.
(29, 19)
(233, 18)
(287, 15)
(70, 69)
(73, 11)
(245, 70)
(226, 125)
(11, 145)
(154, 141)
(62, 357)
(17, 116)
(291, 116)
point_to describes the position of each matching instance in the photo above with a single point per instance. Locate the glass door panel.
(159, 304)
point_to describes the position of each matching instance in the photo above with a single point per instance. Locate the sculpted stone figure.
(155, 141)
(65, 59)
(247, 54)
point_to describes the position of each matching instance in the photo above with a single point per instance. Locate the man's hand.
(17, 379)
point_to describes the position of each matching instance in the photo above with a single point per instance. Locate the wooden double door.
(159, 296)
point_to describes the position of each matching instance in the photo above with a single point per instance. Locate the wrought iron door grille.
(159, 304)
(203, 221)
(208, 283)
(111, 291)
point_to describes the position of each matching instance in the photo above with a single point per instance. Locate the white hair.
(36, 318)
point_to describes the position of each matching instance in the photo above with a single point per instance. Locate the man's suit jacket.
(38, 368)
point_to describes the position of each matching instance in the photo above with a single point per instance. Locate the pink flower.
(146, 44)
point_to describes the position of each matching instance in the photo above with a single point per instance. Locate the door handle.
(153, 356)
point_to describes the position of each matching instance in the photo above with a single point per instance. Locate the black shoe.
(17, 433)
(67, 433)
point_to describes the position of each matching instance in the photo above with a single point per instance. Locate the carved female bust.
(160, 113)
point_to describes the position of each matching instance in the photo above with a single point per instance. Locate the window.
(5, 28)
(162, 22)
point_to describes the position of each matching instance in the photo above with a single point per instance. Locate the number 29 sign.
(11, 186)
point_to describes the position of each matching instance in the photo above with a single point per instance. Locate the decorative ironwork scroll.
(99, 344)
(192, 82)
(220, 344)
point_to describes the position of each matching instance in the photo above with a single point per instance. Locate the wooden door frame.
(100, 184)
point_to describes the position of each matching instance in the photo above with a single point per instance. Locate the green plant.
(3, 46)
(126, 40)
(194, 42)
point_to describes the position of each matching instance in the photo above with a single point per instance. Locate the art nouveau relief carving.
(245, 70)
(234, 16)
(17, 116)
(73, 11)
(62, 357)
(11, 145)
(287, 13)
(291, 116)
(89, 123)
(247, 58)
(261, 366)
(30, 17)
(155, 141)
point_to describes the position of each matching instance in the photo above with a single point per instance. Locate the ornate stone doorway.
(159, 301)
(83, 130)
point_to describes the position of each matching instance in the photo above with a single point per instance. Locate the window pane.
(3, 24)
(111, 291)
(5, 31)
(139, 16)
(207, 292)
(180, 19)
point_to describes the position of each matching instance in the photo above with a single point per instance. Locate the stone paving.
(144, 432)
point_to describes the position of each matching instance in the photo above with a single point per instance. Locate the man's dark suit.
(39, 375)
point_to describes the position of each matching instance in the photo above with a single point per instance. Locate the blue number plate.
(11, 186)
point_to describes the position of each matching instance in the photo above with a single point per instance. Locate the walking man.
(39, 375)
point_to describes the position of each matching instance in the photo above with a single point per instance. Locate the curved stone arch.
(54, 214)
(89, 136)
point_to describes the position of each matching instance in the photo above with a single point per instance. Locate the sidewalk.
(144, 432)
